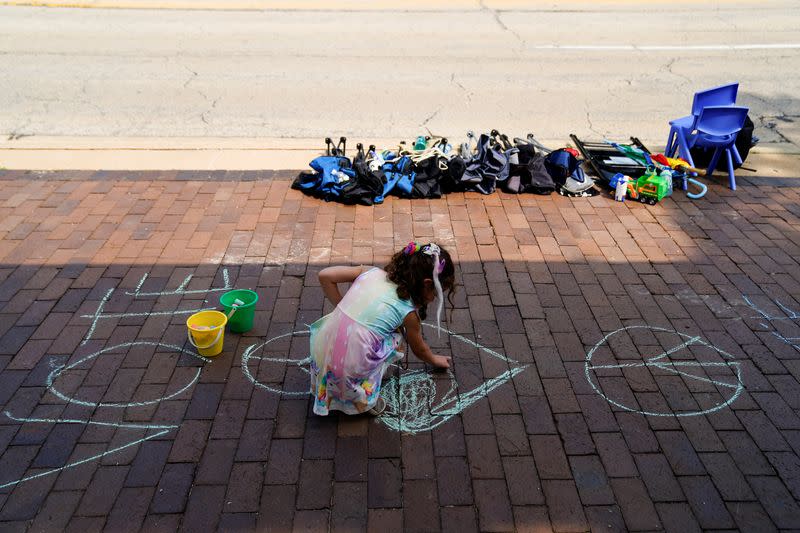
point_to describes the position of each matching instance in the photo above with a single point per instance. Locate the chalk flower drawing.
(787, 325)
(727, 380)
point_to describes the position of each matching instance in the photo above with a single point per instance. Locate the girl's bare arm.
(418, 344)
(331, 276)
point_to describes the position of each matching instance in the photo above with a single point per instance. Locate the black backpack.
(744, 141)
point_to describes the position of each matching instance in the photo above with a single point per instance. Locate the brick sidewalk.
(684, 417)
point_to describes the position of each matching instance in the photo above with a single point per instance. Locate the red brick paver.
(97, 432)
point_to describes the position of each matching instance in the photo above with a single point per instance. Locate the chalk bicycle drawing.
(729, 389)
(410, 404)
(790, 321)
(59, 370)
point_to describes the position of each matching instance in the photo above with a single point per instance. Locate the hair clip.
(440, 267)
(411, 248)
(431, 249)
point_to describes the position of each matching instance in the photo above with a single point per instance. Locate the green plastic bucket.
(242, 319)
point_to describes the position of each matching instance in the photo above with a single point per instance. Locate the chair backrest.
(721, 120)
(716, 96)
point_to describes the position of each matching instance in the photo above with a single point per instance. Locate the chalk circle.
(250, 354)
(728, 389)
(59, 370)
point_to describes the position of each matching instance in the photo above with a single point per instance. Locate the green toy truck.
(651, 187)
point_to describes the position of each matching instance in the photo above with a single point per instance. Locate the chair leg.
(731, 177)
(670, 149)
(713, 164)
(736, 155)
(684, 147)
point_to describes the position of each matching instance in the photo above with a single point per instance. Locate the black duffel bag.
(744, 141)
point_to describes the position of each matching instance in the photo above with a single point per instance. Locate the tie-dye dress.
(352, 346)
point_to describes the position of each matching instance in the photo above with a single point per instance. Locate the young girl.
(352, 347)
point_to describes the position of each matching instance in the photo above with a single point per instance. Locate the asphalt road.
(596, 70)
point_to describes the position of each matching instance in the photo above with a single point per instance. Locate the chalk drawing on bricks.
(414, 401)
(786, 321)
(182, 287)
(57, 371)
(98, 314)
(718, 372)
(250, 357)
(163, 429)
(61, 369)
(415, 404)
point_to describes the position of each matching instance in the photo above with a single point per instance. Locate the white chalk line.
(791, 315)
(670, 367)
(247, 355)
(126, 425)
(88, 459)
(182, 287)
(53, 375)
(96, 316)
(155, 313)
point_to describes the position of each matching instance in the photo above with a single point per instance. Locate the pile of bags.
(432, 167)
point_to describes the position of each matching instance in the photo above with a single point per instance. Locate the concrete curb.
(148, 153)
(347, 5)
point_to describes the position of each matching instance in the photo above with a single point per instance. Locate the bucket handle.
(212, 343)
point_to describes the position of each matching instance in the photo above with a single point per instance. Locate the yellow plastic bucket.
(207, 331)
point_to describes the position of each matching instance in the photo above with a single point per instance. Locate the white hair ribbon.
(438, 266)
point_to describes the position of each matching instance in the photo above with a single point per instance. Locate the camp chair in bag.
(605, 160)
(487, 167)
(528, 174)
(565, 169)
(331, 172)
(399, 178)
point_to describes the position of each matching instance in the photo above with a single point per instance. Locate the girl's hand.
(418, 346)
(441, 361)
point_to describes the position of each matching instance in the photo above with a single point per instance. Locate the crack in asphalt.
(496, 15)
(467, 94)
(430, 117)
(669, 68)
(591, 125)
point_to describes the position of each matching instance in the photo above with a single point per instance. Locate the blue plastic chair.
(717, 127)
(680, 128)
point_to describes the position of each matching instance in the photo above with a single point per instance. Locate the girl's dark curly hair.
(409, 272)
